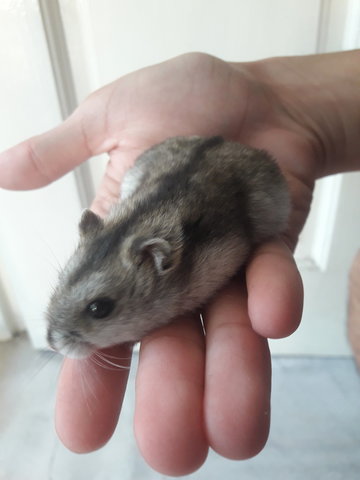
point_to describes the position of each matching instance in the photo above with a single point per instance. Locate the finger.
(237, 377)
(169, 399)
(89, 399)
(42, 159)
(275, 291)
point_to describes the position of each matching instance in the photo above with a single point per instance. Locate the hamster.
(190, 212)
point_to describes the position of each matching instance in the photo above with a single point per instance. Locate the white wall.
(113, 37)
(38, 227)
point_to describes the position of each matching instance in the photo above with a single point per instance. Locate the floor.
(315, 432)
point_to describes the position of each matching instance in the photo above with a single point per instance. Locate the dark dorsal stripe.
(199, 151)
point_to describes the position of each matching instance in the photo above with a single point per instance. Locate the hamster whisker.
(44, 362)
(202, 323)
(101, 358)
(114, 357)
(57, 265)
(86, 389)
(116, 365)
(99, 364)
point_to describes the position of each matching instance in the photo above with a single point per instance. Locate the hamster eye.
(100, 308)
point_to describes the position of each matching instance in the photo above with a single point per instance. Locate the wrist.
(318, 95)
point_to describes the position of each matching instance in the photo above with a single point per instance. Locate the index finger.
(89, 398)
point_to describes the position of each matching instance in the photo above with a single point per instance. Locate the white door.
(326, 249)
(37, 227)
(108, 39)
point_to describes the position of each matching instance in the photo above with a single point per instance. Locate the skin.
(195, 392)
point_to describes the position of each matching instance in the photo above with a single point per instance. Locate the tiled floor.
(315, 431)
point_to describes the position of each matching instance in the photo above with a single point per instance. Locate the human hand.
(192, 391)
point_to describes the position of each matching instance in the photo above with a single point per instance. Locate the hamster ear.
(90, 223)
(161, 252)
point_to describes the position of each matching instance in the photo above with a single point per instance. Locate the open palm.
(192, 391)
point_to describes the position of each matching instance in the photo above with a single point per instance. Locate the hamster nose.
(52, 337)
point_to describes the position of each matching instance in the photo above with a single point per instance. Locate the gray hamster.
(191, 210)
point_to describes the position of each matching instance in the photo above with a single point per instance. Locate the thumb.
(42, 159)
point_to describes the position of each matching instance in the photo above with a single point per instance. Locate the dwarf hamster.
(190, 212)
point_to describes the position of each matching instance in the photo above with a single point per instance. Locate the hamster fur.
(190, 212)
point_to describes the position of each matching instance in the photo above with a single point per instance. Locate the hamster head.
(110, 290)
